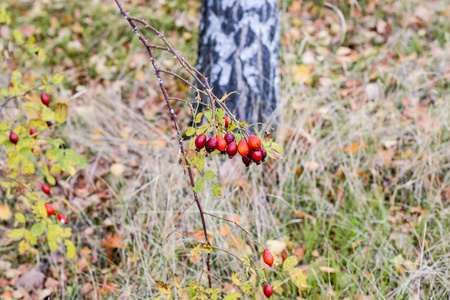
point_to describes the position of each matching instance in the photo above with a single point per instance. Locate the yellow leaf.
(61, 112)
(16, 233)
(290, 263)
(163, 287)
(71, 250)
(23, 247)
(177, 280)
(42, 210)
(235, 279)
(58, 78)
(5, 212)
(301, 74)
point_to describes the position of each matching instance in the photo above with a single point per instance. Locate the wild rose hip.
(45, 99)
(254, 142)
(46, 189)
(264, 154)
(232, 149)
(257, 157)
(246, 160)
(221, 144)
(33, 131)
(243, 148)
(268, 258)
(229, 137)
(227, 122)
(50, 209)
(211, 144)
(268, 291)
(13, 138)
(200, 141)
(62, 219)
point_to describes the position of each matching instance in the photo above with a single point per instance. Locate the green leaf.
(51, 236)
(41, 209)
(216, 190)
(199, 185)
(38, 228)
(47, 113)
(277, 147)
(232, 296)
(44, 79)
(56, 168)
(208, 114)
(30, 238)
(70, 247)
(301, 278)
(50, 179)
(200, 163)
(61, 112)
(3, 126)
(20, 218)
(198, 117)
(38, 123)
(58, 78)
(16, 233)
(247, 288)
(44, 170)
(209, 175)
(18, 36)
(290, 263)
(190, 131)
(27, 167)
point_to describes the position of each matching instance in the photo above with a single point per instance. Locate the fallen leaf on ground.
(5, 212)
(112, 242)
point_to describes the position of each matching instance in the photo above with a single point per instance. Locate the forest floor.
(361, 195)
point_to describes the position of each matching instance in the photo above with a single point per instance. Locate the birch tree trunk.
(238, 51)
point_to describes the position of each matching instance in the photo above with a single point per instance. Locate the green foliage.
(37, 155)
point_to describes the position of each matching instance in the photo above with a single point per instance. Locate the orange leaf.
(113, 242)
(199, 235)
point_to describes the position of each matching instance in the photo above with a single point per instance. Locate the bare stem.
(173, 115)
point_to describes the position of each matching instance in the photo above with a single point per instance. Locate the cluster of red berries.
(50, 209)
(14, 138)
(250, 150)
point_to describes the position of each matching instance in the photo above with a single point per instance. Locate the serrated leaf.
(232, 296)
(199, 185)
(277, 147)
(209, 175)
(20, 218)
(216, 190)
(16, 233)
(70, 249)
(61, 112)
(290, 263)
(198, 117)
(38, 228)
(205, 248)
(190, 131)
(247, 288)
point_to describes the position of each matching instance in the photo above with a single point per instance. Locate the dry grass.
(379, 215)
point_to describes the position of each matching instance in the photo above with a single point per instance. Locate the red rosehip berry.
(200, 141)
(13, 137)
(232, 149)
(268, 291)
(227, 121)
(33, 131)
(246, 160)
(50, 209)
(264, 154)
(62, 219)
(221, 144)
(268, 258)
(257, 157)
(229, 137)
(243, 147)
(45, 99)
(254, 142)
(211, 144)
(46, 189)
